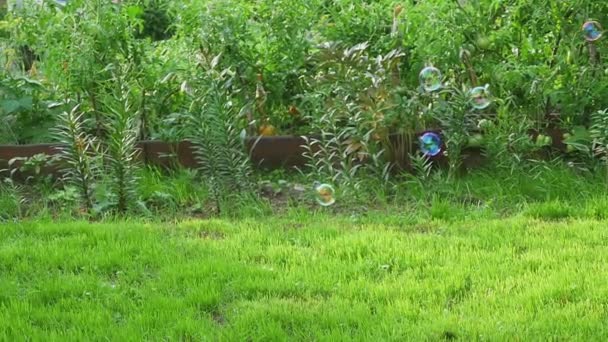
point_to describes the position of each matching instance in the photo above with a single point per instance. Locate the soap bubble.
(480, 97)
(430, 78)
(324, 194)
(430, 144)
(592, 30)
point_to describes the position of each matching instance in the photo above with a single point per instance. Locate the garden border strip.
(266, 153)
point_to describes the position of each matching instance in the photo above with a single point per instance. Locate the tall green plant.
(122, 153)
(457, 120)
(216, 135)
(599, 134)
(78, 150)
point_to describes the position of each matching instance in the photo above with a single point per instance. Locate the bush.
(291, 72)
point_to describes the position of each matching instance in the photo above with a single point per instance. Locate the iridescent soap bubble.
(324, 194)
(592, 30)
(430, 78)
(480, 97)
(430, 144)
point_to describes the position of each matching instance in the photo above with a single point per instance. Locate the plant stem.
(98, 123)
(593, 54)
(606, 167)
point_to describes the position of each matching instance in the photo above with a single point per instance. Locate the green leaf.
(134, 11)
(30, 82)
(9, 106)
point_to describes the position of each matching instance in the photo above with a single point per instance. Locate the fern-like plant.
(599, 134)
(122, 154)
(78, 151)
(12, 200)
(215, 134)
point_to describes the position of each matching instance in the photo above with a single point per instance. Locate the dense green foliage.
(532, 55)
(343, 72)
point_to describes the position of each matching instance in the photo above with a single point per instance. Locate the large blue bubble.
(430, 144)
(592, 30)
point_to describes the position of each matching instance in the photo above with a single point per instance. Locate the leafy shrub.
(24, 110)
(157, 23)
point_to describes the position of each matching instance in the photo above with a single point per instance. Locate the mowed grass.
(305, 277)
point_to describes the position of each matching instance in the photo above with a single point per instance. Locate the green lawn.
(305, 277)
